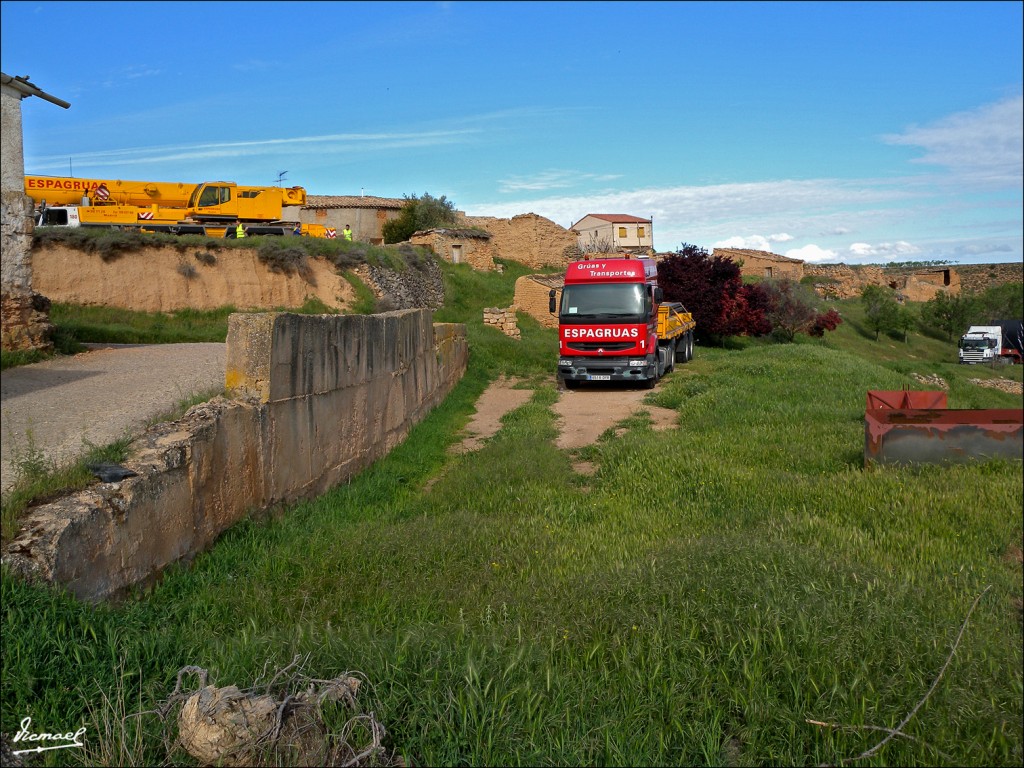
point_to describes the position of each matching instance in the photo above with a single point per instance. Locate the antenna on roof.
(280, 177)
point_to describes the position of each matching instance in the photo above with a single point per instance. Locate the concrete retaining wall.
(314, 399)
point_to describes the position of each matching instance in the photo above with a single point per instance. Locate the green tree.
(880, 308)
(904, 319)
(949, 314)
(418, 213)
(1001, 302)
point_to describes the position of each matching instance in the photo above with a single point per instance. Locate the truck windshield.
(621, 301)
(977, 343)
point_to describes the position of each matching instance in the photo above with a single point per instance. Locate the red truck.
(614, 325)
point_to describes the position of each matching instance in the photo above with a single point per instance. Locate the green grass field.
(697, 601)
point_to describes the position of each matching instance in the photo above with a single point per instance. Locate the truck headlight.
(567, 363)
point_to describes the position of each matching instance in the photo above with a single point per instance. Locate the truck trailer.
(1003, 343)
(179, 208)
(614, 325)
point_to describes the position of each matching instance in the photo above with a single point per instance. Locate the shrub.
(283, 256)
(186, 270)
(792, 309)
(417, 214)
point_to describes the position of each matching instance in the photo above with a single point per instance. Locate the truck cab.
(608, 323)
(981, 344)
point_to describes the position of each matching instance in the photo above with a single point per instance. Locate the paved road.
(99, 396)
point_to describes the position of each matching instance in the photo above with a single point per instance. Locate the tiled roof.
(742, 252)
(352, 201)
(619, 218)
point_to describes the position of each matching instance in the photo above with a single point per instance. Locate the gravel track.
(111, 391)
(97, 397)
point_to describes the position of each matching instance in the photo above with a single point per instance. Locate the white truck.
(991, 344)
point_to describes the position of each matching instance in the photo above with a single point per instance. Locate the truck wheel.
(689, 346)
(670, 364)
(571, 383)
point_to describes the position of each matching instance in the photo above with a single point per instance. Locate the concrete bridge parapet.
(312, 401)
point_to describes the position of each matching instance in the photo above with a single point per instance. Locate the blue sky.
(827, 131)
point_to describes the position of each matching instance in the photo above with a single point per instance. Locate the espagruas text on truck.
(614, 325)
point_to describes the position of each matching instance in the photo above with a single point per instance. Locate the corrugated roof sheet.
(352, 201)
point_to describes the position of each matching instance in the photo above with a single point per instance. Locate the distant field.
(704, 595)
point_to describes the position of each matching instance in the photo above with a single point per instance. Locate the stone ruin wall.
(24, 314)
(921, 284)
(528, 239)
(477, 251)
(842, 281)
(531, 297)
(976, 278)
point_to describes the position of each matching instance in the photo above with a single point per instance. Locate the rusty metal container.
(915, 427)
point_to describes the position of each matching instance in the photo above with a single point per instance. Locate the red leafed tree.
(826, 322)
(712, 289)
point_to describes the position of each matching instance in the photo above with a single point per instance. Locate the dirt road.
(583, 414)
(55, 407)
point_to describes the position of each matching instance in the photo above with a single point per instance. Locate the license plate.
(600, 378)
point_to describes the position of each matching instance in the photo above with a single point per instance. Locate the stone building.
(24, 315)
(365, 214)
(763, 263)
(615, 231)
(459, 246)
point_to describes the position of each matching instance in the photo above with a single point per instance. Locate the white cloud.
(813, 254)
(753, 242)
(982, 145)
(315, 145)
(554, 179)
(981, 249)
(711, 213)
(883, 250)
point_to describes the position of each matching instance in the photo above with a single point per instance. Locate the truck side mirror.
(659, 296)
(551, 301)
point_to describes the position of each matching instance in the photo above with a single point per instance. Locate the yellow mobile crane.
(180, 208)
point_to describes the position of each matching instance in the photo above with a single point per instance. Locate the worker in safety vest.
(239, 229)
(347, 233)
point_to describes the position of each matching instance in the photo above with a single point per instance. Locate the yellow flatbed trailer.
(674, 320)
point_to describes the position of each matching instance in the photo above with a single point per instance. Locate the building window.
(640, 232)
(622, 232)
